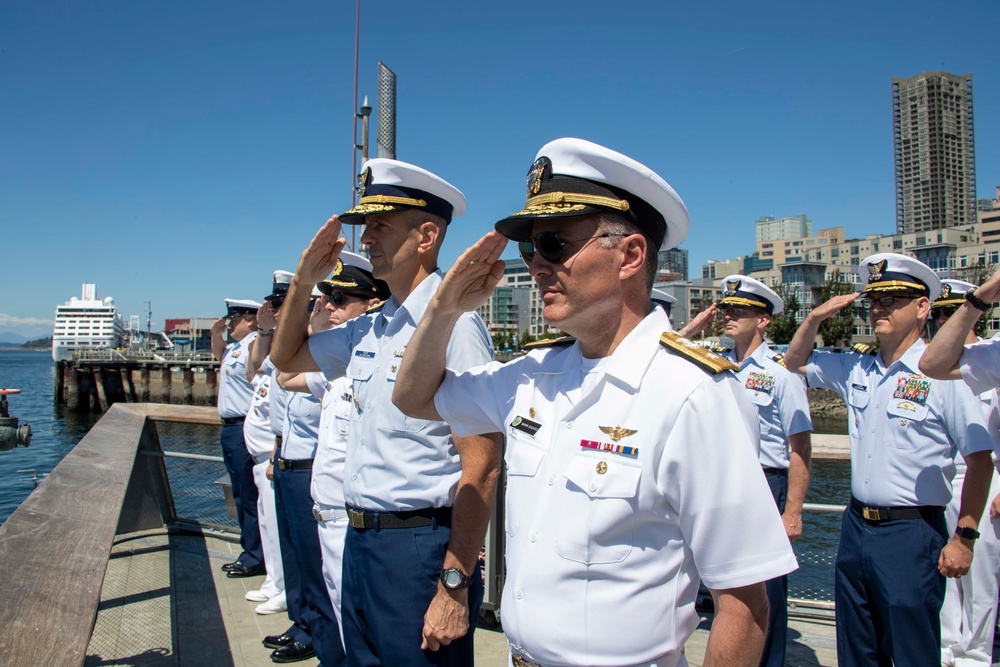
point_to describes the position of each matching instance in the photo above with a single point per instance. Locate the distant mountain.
(10, 338)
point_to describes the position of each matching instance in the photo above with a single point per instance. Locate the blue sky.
(179, 152)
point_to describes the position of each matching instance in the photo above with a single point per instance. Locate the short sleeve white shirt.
(980, 365)
(620, 497)
(257, 427)
(904, 427)
(234, 388)
(331, 455)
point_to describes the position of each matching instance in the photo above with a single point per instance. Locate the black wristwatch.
(971, 297)
(967, 533)
(453, 579)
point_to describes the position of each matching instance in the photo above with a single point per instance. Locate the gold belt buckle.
(522, 662)
(356, 517)
(283, 464)
(871, 514)
(318, 516)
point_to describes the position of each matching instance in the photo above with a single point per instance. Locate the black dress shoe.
(229, 566)
(292, 653)
(242, 570)
(277, 641)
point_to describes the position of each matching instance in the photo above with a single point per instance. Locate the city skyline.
(180, 154)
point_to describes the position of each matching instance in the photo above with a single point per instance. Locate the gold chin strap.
(576, 198)
(386, 199)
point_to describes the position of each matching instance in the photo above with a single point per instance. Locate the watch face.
(453, 578)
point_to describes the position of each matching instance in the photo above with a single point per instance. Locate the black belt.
(768, 472)
(296, 464)
(880, 514)
(365, 520)
(229, 421)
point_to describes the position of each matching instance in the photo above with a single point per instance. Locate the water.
(196, 496)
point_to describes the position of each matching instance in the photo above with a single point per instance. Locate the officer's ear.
(763, 321)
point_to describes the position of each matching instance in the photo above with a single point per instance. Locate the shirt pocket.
(904, 417)
(857, 399)
(342, 415)
(600, 509)
(522, 458)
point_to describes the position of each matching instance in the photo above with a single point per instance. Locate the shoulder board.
(779, 358)
(864, 348)
(377, 307)
(552, 342)
(699, 355)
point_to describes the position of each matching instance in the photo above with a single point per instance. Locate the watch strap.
(967, 533)
(971, 297)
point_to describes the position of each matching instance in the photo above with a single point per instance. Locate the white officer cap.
(573, 178)
(388, 186)
(668, 301)
(241, 307)
(280, 284)
(746, 291)
(892, 272)
(953, 293)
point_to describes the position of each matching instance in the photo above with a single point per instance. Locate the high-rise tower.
(935, 151)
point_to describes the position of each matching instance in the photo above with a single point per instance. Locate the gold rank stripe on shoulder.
(552, 342)
(779, 358)
(701, 356)
(377, 307)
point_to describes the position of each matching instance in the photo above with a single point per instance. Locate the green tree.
(839, 329)
(783, 325)
(977, 275)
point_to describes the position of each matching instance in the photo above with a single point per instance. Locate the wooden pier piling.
(91, 385)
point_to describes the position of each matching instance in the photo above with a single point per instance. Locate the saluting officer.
(418, 499)
(904, 430)
(968, 615)
(235, 392)
(783, 408)
(627, 448)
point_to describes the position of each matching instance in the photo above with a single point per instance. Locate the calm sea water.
(57, 430)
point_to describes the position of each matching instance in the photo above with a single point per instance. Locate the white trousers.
(267, 517)
(332, 535)
(968, 615)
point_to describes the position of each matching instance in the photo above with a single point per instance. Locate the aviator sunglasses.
(943, 311)
(340, 298)
(552, 248)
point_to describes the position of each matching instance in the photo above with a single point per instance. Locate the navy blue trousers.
(239, 465)
(889, 592)
(390, 578)
(309, 606)
(777, 592)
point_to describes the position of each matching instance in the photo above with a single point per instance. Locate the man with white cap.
(968, 615)
(905, 432)
(624, 487)
(664, 301)
(235, 392)
(785, 425)
(418, 499)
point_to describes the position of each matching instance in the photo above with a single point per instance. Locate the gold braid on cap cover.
(894, 286)
(387, 199)
(740, 301)
(577, 198)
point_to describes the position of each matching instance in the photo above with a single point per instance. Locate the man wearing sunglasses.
(235, 391)
(968, 615)
(627, 448)
(783, 409)
(418, 498)
(905, 432)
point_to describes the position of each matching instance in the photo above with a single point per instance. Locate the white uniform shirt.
(397, 462)
(780, 398)
(257, 427)
(334, 425)
(605, 548)
(980, 365)
(300, 423)
(234, 388)
(279, 398)
(904, 426)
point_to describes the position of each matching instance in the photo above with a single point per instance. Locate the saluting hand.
(266, 319)
(471, 280)
(832, 306)
(700, 322)
(218, 326)
(319, 319)
(322, 253)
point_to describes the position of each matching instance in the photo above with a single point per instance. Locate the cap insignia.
(364, 180)
(537, 173)
(732, 286)
(945, 291)
(875, 270)
(617, 432)
(337, 270)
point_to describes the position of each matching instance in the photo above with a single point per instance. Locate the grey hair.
(611, 222)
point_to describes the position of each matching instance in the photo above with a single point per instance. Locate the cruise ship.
(86, 323)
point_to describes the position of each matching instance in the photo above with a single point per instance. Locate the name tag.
(525, 425)
(364, 354)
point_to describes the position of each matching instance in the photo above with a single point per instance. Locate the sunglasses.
(884, 301)
(276, 301)
(943, 311)
(552, 247)
(340, 298)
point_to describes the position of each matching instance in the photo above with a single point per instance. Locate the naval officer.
(235, 392)
(627, 449)
(968, 615)
(785, 425)
(905, 431)
(418, 498)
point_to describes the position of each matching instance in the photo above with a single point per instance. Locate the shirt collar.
(909, 360)
(416, 302)
(632, 357)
